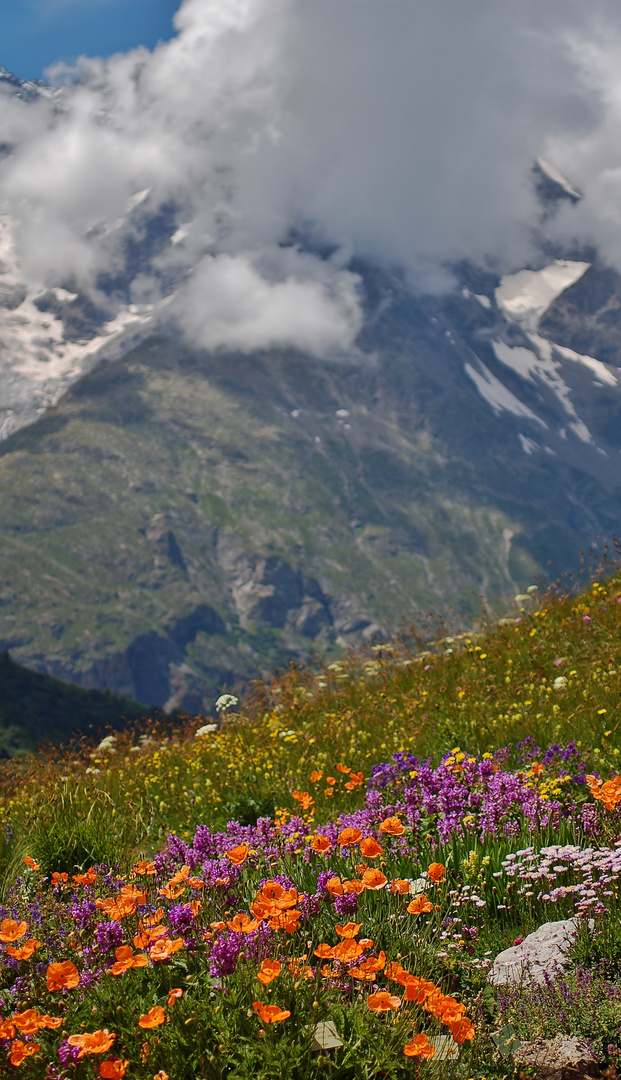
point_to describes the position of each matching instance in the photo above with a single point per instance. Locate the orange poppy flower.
(59, 879)
(193, 906)
(218, 925)
(10, 930)
(299, 969)
(366, 942)
(397, 972)
(126, 959)
(154, 919)
(370, 848)
(343, 768)
(353, 886)
(304, 798)
(89, 878)
(383, 1002)
(242, 923)
(144, 868)
(437, 872)
(419, 905)
(463, 1029)
(31, 863)
(21, 1050)
(347, 950)
(164, 948)
(238, 855)
(172, 891)
(63, 976)
(285, 920)
(419, 1047)
(275, 898)
(369, 968)
(350, 930)
(113, 1069)
(349, 836)
(273, 892)
(7, 1029)
(435, 1002)
(52, 1022)
(28, 1022)
(334, 886)
(25, 951)
(174, 995)
(181, 875)
(328, 792)
(392, 826)
(161, 1075)
(196, 883)
(400, 886)
(418, 990)
(324, 952)
(149, 934)
(451, 1016)
(320, 844)
(153, 1018)
(316, 776)
(132, 892)
(374, 880)
(331, 780)
(97, 1042)
(268, 971)
(270, 1014)
(117, 908)
(355, 779)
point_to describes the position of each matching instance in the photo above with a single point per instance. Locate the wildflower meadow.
(317, 881)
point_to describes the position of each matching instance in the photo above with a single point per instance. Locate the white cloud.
(401, 130)
(229, 302)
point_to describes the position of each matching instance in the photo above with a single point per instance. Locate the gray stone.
(540, 954)
(562, 1058)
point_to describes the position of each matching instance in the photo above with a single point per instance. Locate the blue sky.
(36, 33)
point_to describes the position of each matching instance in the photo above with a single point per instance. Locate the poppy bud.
(315, 1005)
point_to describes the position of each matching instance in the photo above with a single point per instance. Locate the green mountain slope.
(183, 519)
(36, 708)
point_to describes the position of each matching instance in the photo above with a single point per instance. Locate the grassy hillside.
(351, 847)
(36, 708)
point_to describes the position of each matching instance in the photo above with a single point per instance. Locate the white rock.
(540, 954)
(557, 1058)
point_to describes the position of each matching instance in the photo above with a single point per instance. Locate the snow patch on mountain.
(526, 296)
(604, 376)
(540, 366)
(37, 362)
(497, 394)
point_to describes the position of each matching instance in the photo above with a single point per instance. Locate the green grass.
(478, 691)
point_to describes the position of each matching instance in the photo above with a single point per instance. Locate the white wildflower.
(226, 701)
(206, 729)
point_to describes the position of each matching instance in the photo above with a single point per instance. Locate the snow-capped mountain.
(173, 517)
